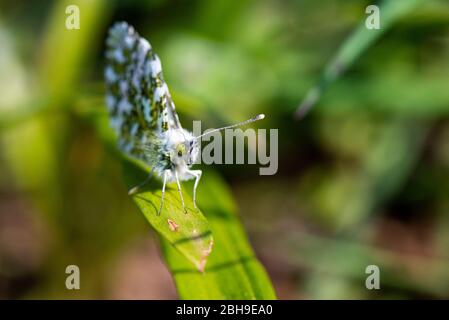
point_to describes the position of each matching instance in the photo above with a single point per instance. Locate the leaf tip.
(202, 264)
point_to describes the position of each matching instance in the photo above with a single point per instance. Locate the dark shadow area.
(217, 267)
(194, 238)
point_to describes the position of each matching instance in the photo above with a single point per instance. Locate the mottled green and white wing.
(139, 103)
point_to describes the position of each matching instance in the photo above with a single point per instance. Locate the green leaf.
(361, 39)
(233, 271)
(189, 233)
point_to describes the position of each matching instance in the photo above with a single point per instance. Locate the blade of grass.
(65, 52)
(361, 39)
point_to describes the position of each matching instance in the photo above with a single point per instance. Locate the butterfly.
(143, 114)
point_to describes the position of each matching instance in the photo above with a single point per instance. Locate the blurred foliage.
(355, 45)
(363, 179)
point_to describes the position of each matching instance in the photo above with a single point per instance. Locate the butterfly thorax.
(170, 151)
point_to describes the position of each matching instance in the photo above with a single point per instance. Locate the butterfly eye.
(180, 150)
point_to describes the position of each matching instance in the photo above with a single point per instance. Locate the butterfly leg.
(180, 192)
(136, 188)
(163, 192)
(197, 174)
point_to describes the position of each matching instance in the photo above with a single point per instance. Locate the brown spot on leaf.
(203, 260)
(172, 225)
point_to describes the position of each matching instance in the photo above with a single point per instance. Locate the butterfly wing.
(139, 103)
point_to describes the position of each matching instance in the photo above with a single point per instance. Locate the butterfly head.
(185, 150)
(185, 146)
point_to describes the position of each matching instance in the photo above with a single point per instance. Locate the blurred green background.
(363, 179)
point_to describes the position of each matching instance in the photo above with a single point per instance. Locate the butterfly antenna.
(256, 118)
